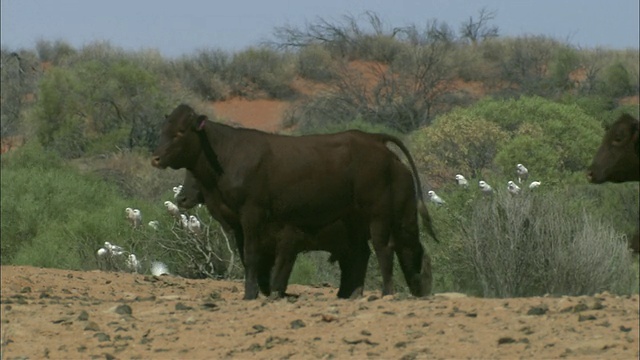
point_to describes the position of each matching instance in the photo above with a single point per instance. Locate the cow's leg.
(353, 268)
(264, 273)
(380, 233)
(253, 258)
(414, 261)
(285, 258)
(265, 264)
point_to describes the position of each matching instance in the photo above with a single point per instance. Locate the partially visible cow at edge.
(352, 255)
(293, 185)
(618, 159)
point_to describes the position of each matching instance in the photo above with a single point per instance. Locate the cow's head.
(190, 195)
(618, 158)
(179, 145)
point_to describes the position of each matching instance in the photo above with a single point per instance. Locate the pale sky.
(181, 27)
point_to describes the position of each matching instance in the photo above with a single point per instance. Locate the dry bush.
(530, 245)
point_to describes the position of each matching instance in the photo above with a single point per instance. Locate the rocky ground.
(61, 314)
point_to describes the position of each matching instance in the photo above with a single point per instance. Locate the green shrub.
(531, 245)
(315, 63)
(261, 69)
(616, 81)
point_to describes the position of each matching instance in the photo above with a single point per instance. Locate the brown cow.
(618, 159)
(352, 257)
(307, 183)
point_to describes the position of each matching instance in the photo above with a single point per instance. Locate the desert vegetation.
(466, 100)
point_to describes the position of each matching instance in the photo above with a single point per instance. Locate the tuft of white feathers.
(158, 268)
(102, 252)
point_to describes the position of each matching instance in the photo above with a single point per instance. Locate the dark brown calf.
(352, 256)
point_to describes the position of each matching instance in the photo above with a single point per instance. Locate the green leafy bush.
(532, 245)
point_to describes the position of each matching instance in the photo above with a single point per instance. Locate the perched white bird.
(513, 188)
(194, 225)
(462, 181)
(158, 268)
(113, 249)
(132, 263)
(134, 216)
(176, 191)
(435, 198)
(173, 209)
(154, 224)
(102, 252)
(184, 221)
(534, 184)
(523, 173)
(486, 188)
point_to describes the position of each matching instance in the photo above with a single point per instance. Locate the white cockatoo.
(523, 173)
(534, 184)
(132, 263)
(513, 188)
(435, 198)
(113, 249)
(194, 225)
(462, 181)
(176, 191)
(154, 224)
(134, 216)
(102, 252)
(173, 209)
(486, 188)
(184, 221)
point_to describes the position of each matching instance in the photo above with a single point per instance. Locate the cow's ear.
(201, 120)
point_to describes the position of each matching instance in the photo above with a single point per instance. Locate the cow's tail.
(422, 208)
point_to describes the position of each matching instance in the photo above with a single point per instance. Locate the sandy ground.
(62, 314)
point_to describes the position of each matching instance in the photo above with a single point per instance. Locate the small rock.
(538, 310)
(108, 356)
(372, 298)
(328, 318)
(92, 326)
(124, 309)
(297, 324)
(365, 332)
(190, 321)
(506, 340)
(26, 289)
(586, 318)
(183, 307)
(84, 316)
(624, 329)
(102, 337)
(210, 306)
